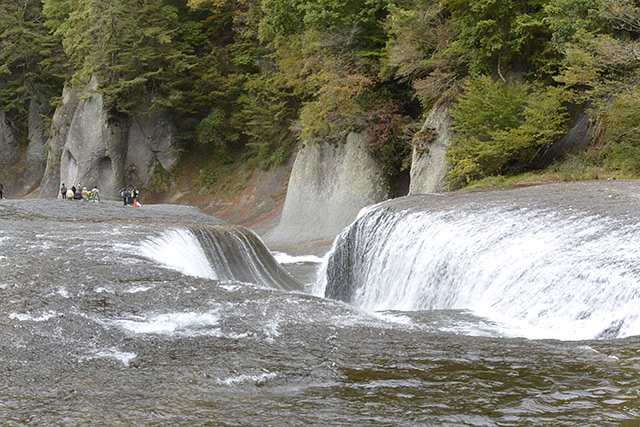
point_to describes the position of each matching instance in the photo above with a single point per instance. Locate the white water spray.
(546, 275)
(180, 250)
(219, 253)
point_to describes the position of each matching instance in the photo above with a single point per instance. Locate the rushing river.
(506, 308)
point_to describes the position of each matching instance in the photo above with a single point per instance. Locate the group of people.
(130, 196)
(77, 192)
(80, 193)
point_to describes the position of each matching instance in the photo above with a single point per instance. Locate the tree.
(496, 36)
(419, 33)
(134, 47)
(502, 128)
(31, 59)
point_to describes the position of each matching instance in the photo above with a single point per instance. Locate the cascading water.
(561, 273)
(96, 329)
(219, 252)
(180, 250)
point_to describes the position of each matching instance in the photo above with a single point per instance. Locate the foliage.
(568, 19)
(622, 131)
(249, 79)
(502, 127)
(134, 47)
(497, 35)
(334, 65)
(31, 61)
(266, 110)
(419, 34)
(390, 135)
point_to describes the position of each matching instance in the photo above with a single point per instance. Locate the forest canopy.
(258, 77)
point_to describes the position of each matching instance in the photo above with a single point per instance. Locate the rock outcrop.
(329, 185)
(36, 159)
(428, 163)
(149, 144)
(580, 136)
(95, 147)
(89, 148)
(60, 125)
(9, 154)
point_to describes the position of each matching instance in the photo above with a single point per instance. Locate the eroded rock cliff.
(428, 162)
(90, 148)
(329, 185)
(9, 155)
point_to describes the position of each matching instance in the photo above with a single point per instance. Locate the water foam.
(184, 324)
(244, 378)
(543, 274)
(286, 259)
(137, 289)
(113, 353)
(28, 317)
(180, 250)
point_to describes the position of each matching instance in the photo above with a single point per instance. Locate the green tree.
(31, 59)
(250, 102)
(501, 128)
(419, 33)
(497, 36)
(134, 47)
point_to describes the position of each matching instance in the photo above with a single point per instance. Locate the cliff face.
(36, 157)
(95, 148)
(91, 149)
(428, 162)
(60, 125)
(9, 155)
(328, 187)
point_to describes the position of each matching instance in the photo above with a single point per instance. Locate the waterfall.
(179, 250)
(219, 252)
(547, 273)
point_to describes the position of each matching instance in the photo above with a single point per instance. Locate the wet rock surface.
(109, 210)
(93, 331)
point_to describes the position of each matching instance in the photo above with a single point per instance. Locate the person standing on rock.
(1, 191)
(63, 191)
(124, 196)
(95, 194)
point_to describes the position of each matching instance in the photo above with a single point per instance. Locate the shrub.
(502, 128)
(622, 132)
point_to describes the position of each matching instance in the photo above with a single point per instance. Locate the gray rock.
(150, 140)
(36, 161)
(89, 148)
(580, 136)
(95, 148)
(428, 163)
(329, 185)
(60, 125)
(8, 152)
